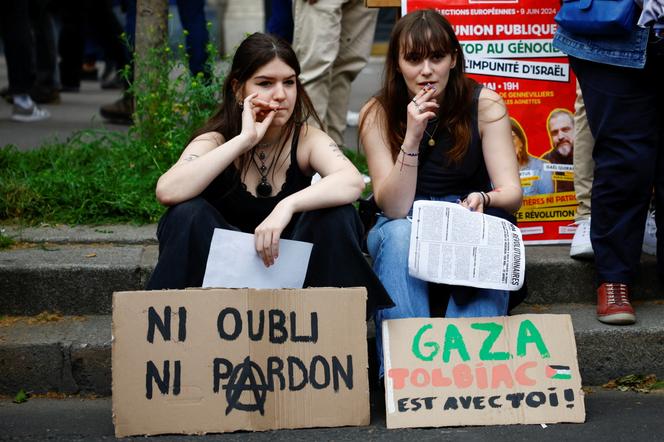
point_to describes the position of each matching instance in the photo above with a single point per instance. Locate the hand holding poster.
(451, 245)
(481, 371)
(199, 361)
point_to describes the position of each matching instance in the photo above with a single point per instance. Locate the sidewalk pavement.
(610, 416)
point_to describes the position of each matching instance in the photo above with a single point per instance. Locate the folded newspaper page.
(449, 244)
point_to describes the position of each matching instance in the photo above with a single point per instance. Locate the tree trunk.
(151, 33)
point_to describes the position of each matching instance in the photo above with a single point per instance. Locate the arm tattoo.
(338, 151)
(190, 157)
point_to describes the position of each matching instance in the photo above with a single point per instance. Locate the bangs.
(424, 39)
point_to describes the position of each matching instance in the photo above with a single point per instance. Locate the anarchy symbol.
(243, 379)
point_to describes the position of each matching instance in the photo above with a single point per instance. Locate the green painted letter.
(454, 341)
(494, 330)
(528, 334)
(416, 345)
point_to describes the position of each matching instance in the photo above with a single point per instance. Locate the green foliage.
(5, 242)
(20, 397)
(100, 176)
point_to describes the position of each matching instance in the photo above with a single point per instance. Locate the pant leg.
(192, 17)
(71, 42)
(388, 244)
(620, 106)
(19, 45)
(108, 32)
(583, 157)
(336, 257)
(316, 34)
(184, 234)
(358, 24)
(45, 52)
(483, 303)
(656, 57)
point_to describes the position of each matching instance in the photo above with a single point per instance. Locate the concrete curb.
(74, 355)
(76, 279)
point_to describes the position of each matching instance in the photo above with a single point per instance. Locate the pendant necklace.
(263, 188)
(431, 141)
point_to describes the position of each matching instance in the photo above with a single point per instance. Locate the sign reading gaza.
(200, 361)
(481, 371)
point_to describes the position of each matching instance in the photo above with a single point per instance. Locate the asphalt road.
(610, 416)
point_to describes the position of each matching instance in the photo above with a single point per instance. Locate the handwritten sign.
(199, 361)
(481, 371)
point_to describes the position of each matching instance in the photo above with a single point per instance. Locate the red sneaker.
(613, 305)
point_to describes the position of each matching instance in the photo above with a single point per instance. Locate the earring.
(240, 104)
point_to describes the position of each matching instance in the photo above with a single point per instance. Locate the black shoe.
(45, 95)
(120, 111)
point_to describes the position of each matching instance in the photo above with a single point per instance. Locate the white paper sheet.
(234, 263)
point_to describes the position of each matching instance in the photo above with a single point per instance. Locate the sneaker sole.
(618, 319)
(581, 252)
(30, 119)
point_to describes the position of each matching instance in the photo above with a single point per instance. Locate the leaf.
(20, 397)
(91, 255)
(659, 385)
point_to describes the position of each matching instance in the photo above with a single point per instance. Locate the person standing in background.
(332, 40)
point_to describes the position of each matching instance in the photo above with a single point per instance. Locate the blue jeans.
(388, 243)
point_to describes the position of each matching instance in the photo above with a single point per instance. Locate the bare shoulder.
(311, 135)
(371, 113)
(491, 106)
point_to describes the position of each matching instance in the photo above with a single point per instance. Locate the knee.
(187, 212)
(333, 218)
(392, 236)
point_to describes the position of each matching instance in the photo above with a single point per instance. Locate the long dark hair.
(254, 52)
(421, 34)
(522, 154)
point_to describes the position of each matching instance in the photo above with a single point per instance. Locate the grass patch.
(6, 242)
(96, 177)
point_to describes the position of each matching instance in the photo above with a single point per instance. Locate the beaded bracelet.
(409, 154)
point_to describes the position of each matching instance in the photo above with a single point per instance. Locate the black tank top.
(436, 176)
(242, 209)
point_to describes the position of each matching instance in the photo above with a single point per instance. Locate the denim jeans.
(388, 244)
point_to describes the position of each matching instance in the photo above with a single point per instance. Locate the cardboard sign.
(217, 360)
(481, 371)
(508, 47)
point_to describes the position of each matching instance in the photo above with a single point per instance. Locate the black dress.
(185, 232)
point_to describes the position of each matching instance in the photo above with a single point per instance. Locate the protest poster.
(508, 48)
(215, 360)
(481, 371)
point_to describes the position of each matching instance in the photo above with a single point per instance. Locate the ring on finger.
(414, 101)
(419, 108)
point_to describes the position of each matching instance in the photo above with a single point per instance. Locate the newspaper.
(449, 244)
